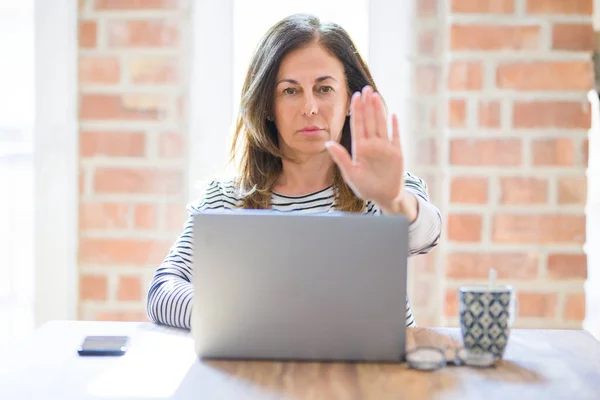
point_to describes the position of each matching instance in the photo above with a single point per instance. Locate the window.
(16, 170)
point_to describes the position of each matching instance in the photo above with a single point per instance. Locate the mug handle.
(514, 308)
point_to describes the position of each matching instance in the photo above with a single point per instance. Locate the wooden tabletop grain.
(538, 364)
(162, 364)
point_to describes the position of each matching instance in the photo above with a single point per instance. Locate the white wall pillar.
(211, 91)
(391, 36)
(56, 142)
(592, 285)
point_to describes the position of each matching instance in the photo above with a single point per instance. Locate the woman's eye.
(289, 91)
(325, 89)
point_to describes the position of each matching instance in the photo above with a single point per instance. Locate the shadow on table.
(509, 371)
(314, 380)
(256, 379)
(504, 370)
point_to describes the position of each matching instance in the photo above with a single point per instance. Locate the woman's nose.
(310, 105)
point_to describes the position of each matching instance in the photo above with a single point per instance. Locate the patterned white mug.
(487, 313)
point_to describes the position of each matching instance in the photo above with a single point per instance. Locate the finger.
(369, 114)
(356, 117)
(380, 116)
(396, 131)
(341, 157)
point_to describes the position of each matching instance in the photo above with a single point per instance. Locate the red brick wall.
(500, 118)
(132, 88)
(426, 286)
(509, 149)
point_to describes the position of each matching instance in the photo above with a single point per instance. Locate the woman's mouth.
(310, 130)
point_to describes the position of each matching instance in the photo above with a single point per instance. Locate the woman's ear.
(348, 106)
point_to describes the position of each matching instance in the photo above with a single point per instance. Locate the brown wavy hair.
(256, 137)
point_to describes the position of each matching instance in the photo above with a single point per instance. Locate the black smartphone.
(104, 346)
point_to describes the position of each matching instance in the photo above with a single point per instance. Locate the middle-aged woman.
(312, 136)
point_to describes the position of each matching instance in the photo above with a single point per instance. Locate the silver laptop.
(282, 286)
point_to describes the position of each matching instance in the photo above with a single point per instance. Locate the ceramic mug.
(486, 315)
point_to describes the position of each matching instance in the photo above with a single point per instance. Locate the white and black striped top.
(170, 295)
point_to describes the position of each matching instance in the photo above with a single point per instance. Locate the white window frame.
(56, 142)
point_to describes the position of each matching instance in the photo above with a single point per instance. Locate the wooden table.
(161, 364)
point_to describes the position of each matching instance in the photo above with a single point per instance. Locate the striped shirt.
(171, 290)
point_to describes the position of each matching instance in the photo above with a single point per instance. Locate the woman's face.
(311, 101)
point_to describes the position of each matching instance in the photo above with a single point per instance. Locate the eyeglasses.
(427, 358)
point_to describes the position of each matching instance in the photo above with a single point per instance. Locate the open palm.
(375, 170)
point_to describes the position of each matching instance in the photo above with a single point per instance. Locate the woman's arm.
(171, 290)
(426, 220)
(170, 297)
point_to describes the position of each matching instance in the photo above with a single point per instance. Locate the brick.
(560, 7)
(433, 118)
(103, 216)
(572, 190)
(422, 295)
(176, 216)
(532, 304)
(573, 37)
(494, 38)
(99, 70)
(138, 180)
(523, 190)
(425, 263)
(483, 6)
(171, 145)
(92, 287)
(82, 181)
(153, 70)
(87, 34)
(457, 111)
(432, 185)
(419, 111)
(428, 77)
(427, 8)
(148, 33)
(489, 114)
(540, 75)
(469, 190)
(467, 265)
(112, 144)
(485, 152)
(141, 107)
(465, 75)
(464, 227)
(427, 42)
(553, 152)
(551, 114)
(181, 107)
(122, 251)
(567, 266)
(122, 316)
(539, 229)
(129, 288)
(585, 152)
(451, 303)
(104, 5)
(574, 307)
(428, 151)
(145, 216)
